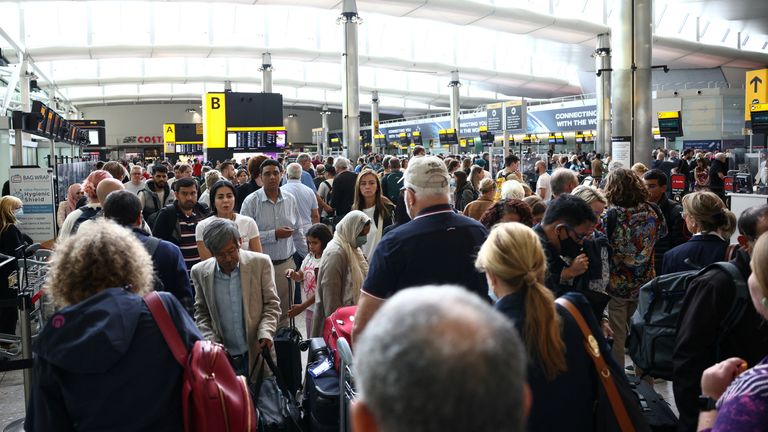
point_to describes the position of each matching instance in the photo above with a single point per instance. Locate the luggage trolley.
(29, 278)
(347, 392)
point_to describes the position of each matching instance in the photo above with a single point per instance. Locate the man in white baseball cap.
(436, 247)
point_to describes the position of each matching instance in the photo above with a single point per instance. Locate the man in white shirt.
(543, 189)
(137, 182)
(305, 197)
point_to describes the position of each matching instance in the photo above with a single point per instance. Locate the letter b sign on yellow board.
(214, 121)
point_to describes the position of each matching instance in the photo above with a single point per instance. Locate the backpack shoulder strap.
(167, 327)
(151, 245)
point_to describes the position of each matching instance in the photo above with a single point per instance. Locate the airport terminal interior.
(594, 172)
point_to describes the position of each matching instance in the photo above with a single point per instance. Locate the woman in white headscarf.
(342, 268)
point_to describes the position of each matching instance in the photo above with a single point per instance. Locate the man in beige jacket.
(236, 302)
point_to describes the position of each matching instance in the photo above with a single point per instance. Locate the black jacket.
(701, 250)
(166, 225)
(673, 216)
(242, 193)
(707, 302)
(343, 193)
(102, 364)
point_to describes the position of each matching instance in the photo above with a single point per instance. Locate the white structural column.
(455, 103)
(642, 135)
(350, 87)
(374, 112)
(26, 106)
(602, 66)
(266, 72)
(631, 40)
(324, 149)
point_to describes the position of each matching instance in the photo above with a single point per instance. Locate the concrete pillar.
(455, 104)
(631, 39)
(374, 112)
(266, 72)
(26, 106)
(350, 87)
(642, 136)
(602, 64)
(324, 149)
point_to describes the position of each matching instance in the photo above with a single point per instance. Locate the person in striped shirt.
(177, 222)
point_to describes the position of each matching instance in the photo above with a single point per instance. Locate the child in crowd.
(318, 237)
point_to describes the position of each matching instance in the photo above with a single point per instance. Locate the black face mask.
(569, 248)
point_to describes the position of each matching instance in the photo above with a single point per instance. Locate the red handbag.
(213, 398)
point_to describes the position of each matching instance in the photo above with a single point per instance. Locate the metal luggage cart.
(347, 392)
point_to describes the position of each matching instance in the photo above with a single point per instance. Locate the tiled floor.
(12, 389)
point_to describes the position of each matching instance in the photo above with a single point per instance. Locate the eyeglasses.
(579, 237)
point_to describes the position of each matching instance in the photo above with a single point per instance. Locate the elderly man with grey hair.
(343, 188)
(307, 174)
(305, 197)
(471, 378)
(563, 181)
(236, 303)
(436, 246)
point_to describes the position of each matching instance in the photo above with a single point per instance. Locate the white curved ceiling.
(102, 51)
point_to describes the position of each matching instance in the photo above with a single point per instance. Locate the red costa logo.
(149, 140)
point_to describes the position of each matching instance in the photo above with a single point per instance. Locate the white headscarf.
(345, 237)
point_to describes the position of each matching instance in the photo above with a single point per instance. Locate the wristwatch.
(706, 403)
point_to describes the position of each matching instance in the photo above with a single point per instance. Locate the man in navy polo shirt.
(437, 246)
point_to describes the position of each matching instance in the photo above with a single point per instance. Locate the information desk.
(743, 201)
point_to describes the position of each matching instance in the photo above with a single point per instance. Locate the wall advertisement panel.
(34, 187)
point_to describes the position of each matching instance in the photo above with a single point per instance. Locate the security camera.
(675, 93)
(698, 91)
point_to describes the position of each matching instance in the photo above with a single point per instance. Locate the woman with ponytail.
(561, 374)
(711, 224)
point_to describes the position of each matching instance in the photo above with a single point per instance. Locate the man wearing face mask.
(437, 246)
(567, 223)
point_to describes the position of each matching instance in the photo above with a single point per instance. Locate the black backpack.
(653, 328)
(87, 213)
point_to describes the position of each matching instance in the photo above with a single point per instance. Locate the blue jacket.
(102, 364)
(701, 250)
(170, 268)
(571, 395)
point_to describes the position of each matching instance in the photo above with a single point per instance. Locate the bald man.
(107, 186)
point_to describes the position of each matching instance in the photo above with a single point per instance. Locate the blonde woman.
(98, 278)
(11, 238)
(342, 268)
(711, 224)
(211, 177)
(560, 372)
(476, 208)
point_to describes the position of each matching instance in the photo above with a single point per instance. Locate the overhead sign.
(756, 91)
(494, 115)
(214, 121)
(565, 119)
(34, 187)
(513, 116)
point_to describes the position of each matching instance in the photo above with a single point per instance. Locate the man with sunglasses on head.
(567, 223)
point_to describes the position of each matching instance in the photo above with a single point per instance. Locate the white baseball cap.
(426, 172)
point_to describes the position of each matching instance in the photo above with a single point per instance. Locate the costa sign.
(145, 139)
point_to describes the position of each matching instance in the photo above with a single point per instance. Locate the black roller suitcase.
(654, 408)
(287, 343)
(321, 390)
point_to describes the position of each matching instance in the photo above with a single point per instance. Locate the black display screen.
(759, 121)
(671, 127)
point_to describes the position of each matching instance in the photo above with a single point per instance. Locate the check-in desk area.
(743, 201)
